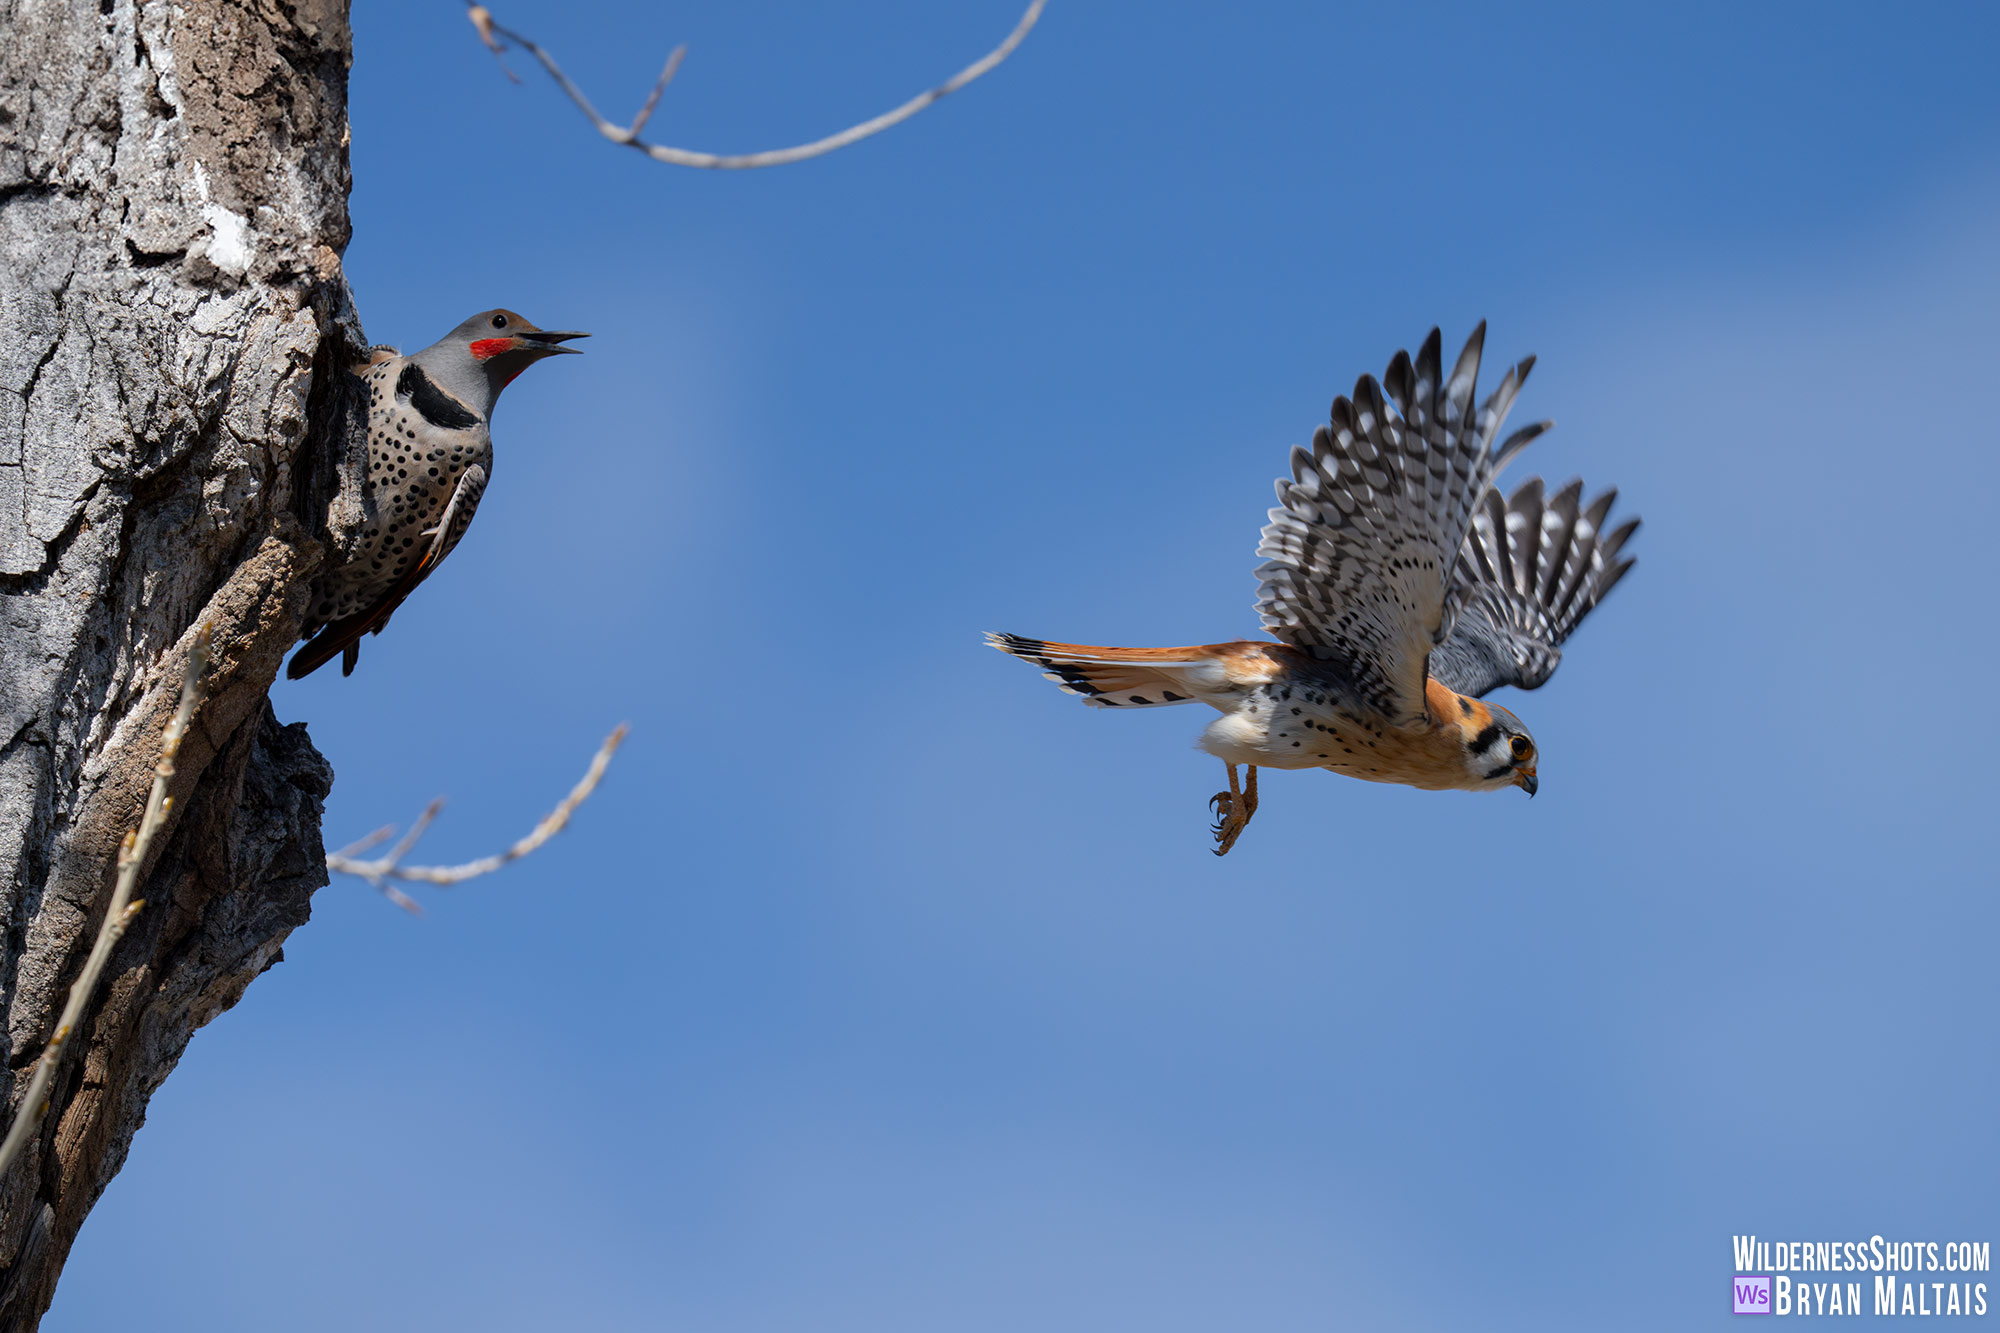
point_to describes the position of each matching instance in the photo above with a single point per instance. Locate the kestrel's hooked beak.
(1525, 779)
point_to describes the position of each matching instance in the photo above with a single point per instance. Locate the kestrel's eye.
(1519, 745)
(499, 321)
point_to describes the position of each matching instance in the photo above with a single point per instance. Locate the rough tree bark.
(173, 320)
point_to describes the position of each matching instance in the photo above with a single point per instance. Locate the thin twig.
(495, 36)
(375, 839)
(119, 912)
(482, 23)
(344, 858)
(389, 865)
(653, 98)
(402, 849)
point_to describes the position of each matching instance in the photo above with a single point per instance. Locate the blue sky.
(882, 987)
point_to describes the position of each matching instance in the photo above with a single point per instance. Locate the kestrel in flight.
(1400, 586)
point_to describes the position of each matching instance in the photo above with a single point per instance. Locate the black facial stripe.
(1465, 705)
(432, 403)
(1499, 772)
(1486, 737)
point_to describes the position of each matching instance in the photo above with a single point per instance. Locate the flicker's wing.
(1530, 571)
(343, 637)
(457, 518)
(1359, 549)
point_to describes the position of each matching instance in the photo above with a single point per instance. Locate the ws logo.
(1750, 1295)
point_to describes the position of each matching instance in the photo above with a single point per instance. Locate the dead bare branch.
(388, 866)
(482, 23)
(122, 908)
(495, 36)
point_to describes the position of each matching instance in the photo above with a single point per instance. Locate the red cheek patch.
(487, 348)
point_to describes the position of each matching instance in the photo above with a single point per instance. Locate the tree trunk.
(174, 329)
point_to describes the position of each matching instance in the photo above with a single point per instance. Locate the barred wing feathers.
(1530, 571)
(1367, 530)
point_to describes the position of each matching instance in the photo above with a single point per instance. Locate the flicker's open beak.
(548, 342)
(1525, 780)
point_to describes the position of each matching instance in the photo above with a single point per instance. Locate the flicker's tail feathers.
(323, 647)
(342, 638)
(1215, 673)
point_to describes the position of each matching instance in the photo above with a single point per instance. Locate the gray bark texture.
(174, 333)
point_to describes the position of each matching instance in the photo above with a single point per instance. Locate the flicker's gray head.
(480, 357)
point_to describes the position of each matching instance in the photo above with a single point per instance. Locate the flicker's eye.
(499, 321)
(1519, 745)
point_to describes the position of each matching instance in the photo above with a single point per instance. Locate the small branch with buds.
(497, 37)
(122, 908)
(382, 869)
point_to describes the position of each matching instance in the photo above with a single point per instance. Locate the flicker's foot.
(1232, 810)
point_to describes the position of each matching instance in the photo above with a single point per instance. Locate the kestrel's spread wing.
(1530, 570)
(1368, 529)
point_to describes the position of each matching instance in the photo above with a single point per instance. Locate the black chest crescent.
(432, 403)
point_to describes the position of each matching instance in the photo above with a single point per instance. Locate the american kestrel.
(1400, 586)
(430, 450)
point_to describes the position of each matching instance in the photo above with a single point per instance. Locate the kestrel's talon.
(1227, 830)
(1233, 809)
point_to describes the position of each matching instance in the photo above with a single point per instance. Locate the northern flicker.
(429, 455)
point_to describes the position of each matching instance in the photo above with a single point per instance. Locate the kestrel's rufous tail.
(1148, 677)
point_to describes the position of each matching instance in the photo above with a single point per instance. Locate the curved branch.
(384, 868)
(495, 36)
(119, 913)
